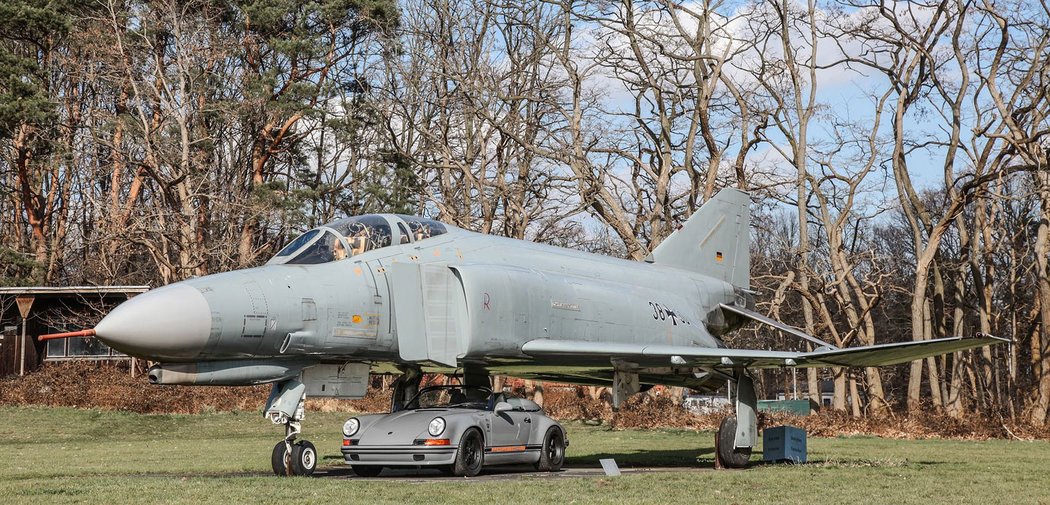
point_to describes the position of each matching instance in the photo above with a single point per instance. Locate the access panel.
(348, 381)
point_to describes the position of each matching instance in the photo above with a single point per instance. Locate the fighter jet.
(392, 293)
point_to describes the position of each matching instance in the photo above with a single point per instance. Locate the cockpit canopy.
(351, 236)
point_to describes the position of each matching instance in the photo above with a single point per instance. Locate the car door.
(510, 428)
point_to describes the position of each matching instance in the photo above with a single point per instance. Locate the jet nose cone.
(172, 322)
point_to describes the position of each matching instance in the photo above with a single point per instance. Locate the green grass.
(58, 455)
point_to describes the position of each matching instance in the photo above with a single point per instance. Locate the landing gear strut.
(285, 406)
(738, 434)
(405, 387)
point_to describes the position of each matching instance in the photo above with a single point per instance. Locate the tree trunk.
(1041, 339)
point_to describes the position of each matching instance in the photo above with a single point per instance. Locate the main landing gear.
(405, 387)
(738, 434)
(285, 406)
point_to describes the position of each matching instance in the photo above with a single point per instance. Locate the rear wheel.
(552, 453)
(471, 454)
(366, 470)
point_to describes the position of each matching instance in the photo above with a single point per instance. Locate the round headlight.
(350, 427)
(436, 427)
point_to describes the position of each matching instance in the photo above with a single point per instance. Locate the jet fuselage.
(513, 291)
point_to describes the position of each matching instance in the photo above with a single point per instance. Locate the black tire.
(730, 456)
(366, 470)
(304, 458)
(278, 459)
(552, 452)
(471, 454)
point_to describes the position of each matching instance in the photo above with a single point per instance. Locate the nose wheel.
(299, 458)
(286, 406)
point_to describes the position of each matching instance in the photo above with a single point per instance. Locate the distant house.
(827, 393)
(707, 404)
(45, 309)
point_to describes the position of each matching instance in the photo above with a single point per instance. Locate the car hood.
(402, 428)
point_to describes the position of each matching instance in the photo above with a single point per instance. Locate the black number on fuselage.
(663, 313)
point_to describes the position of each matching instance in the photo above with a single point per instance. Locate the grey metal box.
(784, 443)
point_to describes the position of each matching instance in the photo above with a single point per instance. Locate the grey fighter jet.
(392, 293)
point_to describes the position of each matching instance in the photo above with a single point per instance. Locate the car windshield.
(437, 397)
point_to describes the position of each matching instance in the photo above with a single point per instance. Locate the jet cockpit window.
(364, 233)
(327, 248)
(423, 228)
(336, 241)
(296, 244)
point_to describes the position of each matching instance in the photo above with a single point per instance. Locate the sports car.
(456, 429)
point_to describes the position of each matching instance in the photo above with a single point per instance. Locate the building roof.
(72, 290)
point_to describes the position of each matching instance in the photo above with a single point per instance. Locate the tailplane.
(715, 241)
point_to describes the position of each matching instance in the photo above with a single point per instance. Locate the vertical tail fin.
(715, 241)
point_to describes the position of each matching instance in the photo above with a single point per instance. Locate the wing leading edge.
(671, 355)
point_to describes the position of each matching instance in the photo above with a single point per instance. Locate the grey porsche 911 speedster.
(456, 429)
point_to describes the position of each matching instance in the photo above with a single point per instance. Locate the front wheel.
(552, 453)
(471, 454)
(279, 459)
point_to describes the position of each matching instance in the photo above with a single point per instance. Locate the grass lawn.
(59, 455)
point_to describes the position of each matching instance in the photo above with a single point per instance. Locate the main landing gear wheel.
(471, 454)
(302, 460)
(729, 456)
(552, 453)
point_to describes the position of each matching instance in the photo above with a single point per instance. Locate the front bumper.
(399, 455)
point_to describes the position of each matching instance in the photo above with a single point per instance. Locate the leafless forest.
(897, 152)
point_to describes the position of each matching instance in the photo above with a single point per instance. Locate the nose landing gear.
(286, 406)
(299, 458)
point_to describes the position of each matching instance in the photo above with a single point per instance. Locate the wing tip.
(995, 339)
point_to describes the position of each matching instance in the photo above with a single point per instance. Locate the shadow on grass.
(586, 465)
(671, 458)
(698, 458)
(693, 458)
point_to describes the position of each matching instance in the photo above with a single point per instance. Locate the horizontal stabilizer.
(659, 355)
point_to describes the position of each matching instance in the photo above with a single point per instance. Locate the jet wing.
(896, 353)
(658, 355)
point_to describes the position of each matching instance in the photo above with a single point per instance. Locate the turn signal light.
(437, 441)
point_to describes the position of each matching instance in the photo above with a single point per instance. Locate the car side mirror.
(502, 407)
